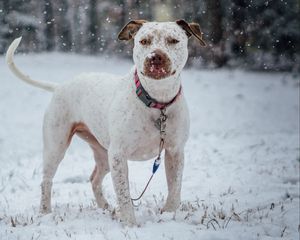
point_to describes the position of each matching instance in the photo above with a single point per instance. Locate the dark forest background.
(252, 34)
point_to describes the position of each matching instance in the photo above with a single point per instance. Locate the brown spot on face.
(157, 65)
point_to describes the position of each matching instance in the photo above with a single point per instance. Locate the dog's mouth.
(158, 75)
(157, 65)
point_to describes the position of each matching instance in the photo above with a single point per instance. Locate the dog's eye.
(172, 41)
(145, 41)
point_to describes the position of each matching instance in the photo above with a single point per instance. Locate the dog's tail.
(10, 62)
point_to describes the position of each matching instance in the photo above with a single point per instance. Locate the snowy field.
(241, 176)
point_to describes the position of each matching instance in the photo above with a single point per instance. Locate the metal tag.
(157, 123)
(160, 123)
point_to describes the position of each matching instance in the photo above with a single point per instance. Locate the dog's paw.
(127, 219)
(104, 205)
(170, 207)
(128, 222)
(44, 210)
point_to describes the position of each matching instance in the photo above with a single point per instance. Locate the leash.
(160, 124)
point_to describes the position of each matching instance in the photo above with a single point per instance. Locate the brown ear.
(130, 29)
(192, 29)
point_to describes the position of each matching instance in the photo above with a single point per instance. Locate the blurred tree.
(49, 25)
(78, 15)
(274, 31)
(124, 18)
(19, 21)
(237, 29)
(92, 27)
(261, 34)
(215, 31)
(146, 10)
(63, 28)
(4, 29)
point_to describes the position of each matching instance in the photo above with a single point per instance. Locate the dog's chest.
(132, 127)
(146, 145)
(146, 137)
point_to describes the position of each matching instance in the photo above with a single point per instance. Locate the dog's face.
(160, 49)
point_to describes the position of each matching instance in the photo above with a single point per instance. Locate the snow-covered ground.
(241, 177)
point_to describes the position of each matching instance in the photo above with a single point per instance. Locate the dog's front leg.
(119, 173)
(174, 162)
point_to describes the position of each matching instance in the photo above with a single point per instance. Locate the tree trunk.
(93, 26)
(63, 27)
(238, 32)
(49, 30)
(215, 31)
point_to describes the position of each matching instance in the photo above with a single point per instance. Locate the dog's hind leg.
(100, 170)
(56, 132)
(101, 159)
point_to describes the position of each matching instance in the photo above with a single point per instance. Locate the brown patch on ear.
(192, 29)
(195, 27)
(130, 29)
(185, 26)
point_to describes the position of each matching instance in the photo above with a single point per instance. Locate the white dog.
(116, 115)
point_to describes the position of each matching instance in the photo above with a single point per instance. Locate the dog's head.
(160, 48)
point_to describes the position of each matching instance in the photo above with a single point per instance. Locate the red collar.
(147, 99)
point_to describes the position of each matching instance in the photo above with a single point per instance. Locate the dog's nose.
(157, 58)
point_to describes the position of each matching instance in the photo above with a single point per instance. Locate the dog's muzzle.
(157, 65)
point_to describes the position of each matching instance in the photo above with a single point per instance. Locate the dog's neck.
(163, 90)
